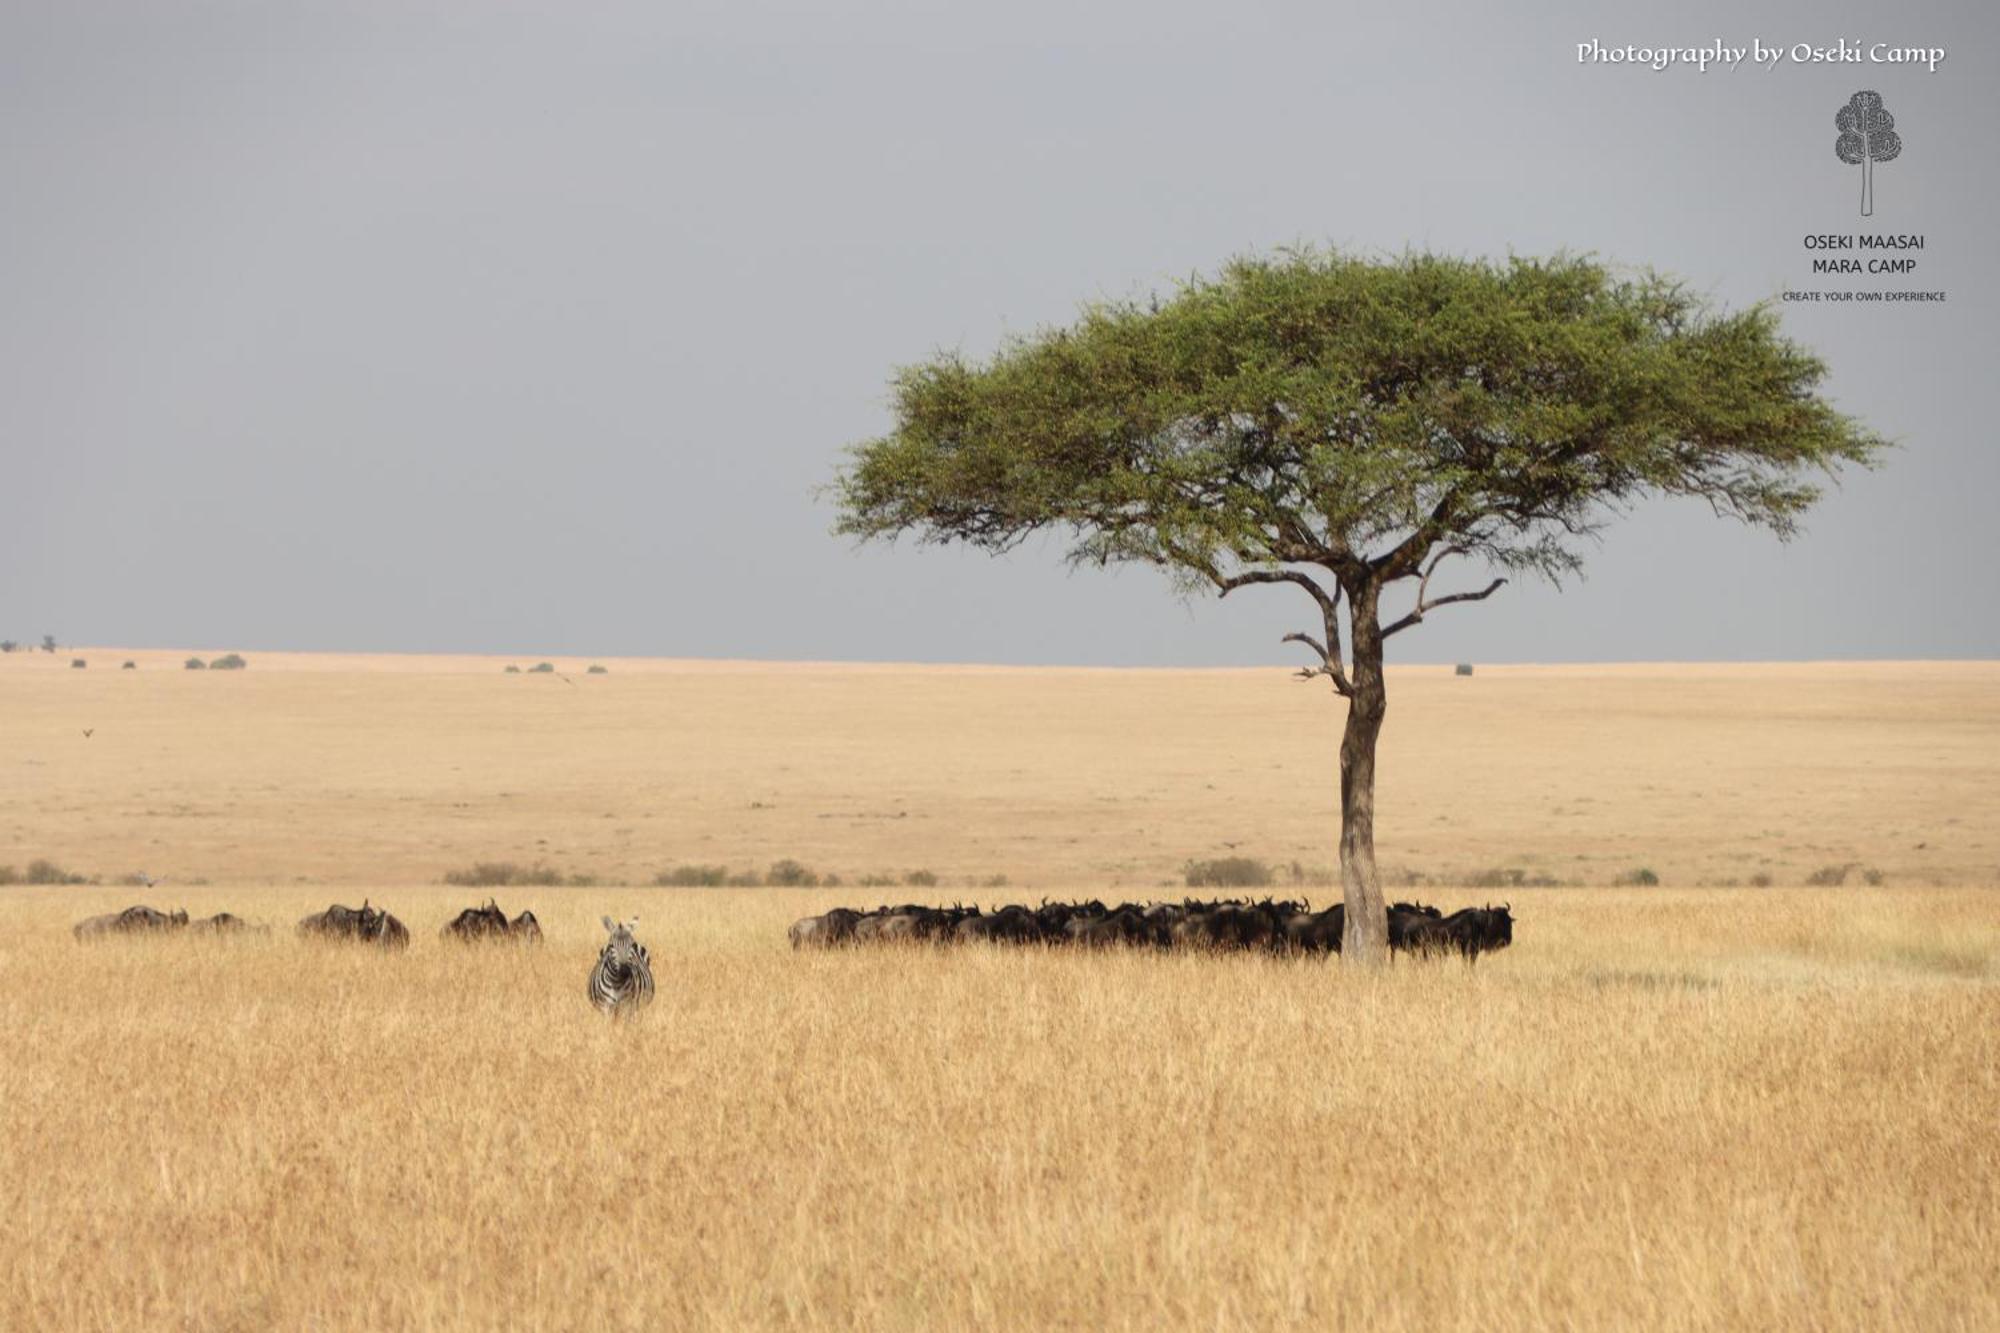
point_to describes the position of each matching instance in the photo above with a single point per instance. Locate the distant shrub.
(1462, 669)
(542, 669)
(48, 872)
(993, 882)
(502, 874)
(790, 874)
(876, 881)
(594, 670)
(920, 879)
(747, 879)
(830, 881)
(692, 877)
(195, 664)
(1872, 877)
(228, 662)
(77, 664)
(513, 670)
(1828, 877)
(1228, 872)
(1507, 877)
(582, 880)
(8, 645)
(129, 666)
(1760, 880)
(9, 875)
(1642, 878)
(1318, 876)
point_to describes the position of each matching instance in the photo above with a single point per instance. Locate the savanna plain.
(1740, 1068)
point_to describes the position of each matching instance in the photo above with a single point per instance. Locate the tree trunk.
(1867, 184)
(1365, 935)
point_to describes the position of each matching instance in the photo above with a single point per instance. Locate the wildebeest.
(824, 931)
(1273, 926)
(1012, 924)
(1316, 932)
(490, 923)
(227, 923)
(365, 923)
(135, 920)
(622, 980)
(1128, 924)
(1468, 932)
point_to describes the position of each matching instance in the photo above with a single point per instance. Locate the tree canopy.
(1357, 415)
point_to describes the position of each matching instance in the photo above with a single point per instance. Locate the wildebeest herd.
(620, 982)
(1270, 926)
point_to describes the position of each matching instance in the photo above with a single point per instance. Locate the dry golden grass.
(358, 770)
(1662, 1108)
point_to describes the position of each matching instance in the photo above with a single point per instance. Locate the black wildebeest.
(365, 923)
(134, 920)
(490, 923)
(1012, 924)
(825, 930)
(1468, 933)
(227, 923)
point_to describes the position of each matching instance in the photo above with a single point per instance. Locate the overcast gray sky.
(533, 328)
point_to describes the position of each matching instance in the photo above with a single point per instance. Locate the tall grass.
(1659, 1109)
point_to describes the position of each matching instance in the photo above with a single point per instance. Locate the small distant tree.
(195, 664)
(1867, 136)
(1345, 426)
(48, 643)
(229, 662)
(8, 645)
(541, 668)
(77, 664)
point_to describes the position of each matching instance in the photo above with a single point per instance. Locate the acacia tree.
(1345, 426)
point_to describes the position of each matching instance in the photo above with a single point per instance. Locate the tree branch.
(1330, 664)
(1423, 590)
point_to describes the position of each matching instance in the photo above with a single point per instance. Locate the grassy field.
(1666, 1107)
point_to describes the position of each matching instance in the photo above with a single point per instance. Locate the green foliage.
(790, 874)
(129, 666)
(77, 664)
(8, 645)
(1228, 872)
(1642, 878)
(195, 664)
(228, 662)
(542, 668)
(1313, 408)
(594, 670)
(512, 670)
(48, 872)
(920, 879)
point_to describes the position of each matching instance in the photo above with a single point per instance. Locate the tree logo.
(1867, 136)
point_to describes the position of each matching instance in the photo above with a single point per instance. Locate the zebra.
(623, 977)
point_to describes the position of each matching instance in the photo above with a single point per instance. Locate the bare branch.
(1418, 614)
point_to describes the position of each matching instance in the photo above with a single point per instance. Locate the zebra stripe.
(623, 978)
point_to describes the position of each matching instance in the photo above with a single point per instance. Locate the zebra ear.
(607, 923)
